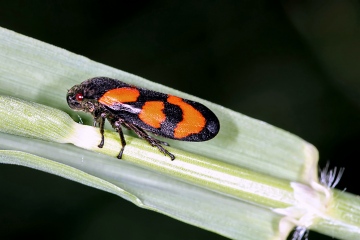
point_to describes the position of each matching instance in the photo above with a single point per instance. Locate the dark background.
(293, 64)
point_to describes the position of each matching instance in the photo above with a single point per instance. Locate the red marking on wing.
(152, 113)
(193, 121)
(119, 95)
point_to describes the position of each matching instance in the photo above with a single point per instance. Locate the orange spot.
(119, 95)
(193, 121)
(152, 113)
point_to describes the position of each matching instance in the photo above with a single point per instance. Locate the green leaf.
(189, 203)
(39, 72)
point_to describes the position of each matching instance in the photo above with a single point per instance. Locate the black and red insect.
(143, 111)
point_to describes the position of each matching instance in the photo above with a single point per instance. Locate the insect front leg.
(153, 141)
(101, 121)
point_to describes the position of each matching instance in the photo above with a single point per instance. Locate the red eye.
(79, 97)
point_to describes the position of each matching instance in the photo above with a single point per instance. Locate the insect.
(143, 111)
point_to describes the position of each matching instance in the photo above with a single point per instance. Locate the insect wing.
(165, 115)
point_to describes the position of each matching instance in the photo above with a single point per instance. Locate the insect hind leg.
(151, 140)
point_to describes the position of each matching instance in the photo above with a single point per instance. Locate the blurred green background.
(293, 64)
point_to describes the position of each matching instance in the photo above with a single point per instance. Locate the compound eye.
(79, 97)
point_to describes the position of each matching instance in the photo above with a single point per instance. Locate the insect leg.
(117, 125)
(101, 121)
(153, 141)
(123, 142)
(126, 126)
